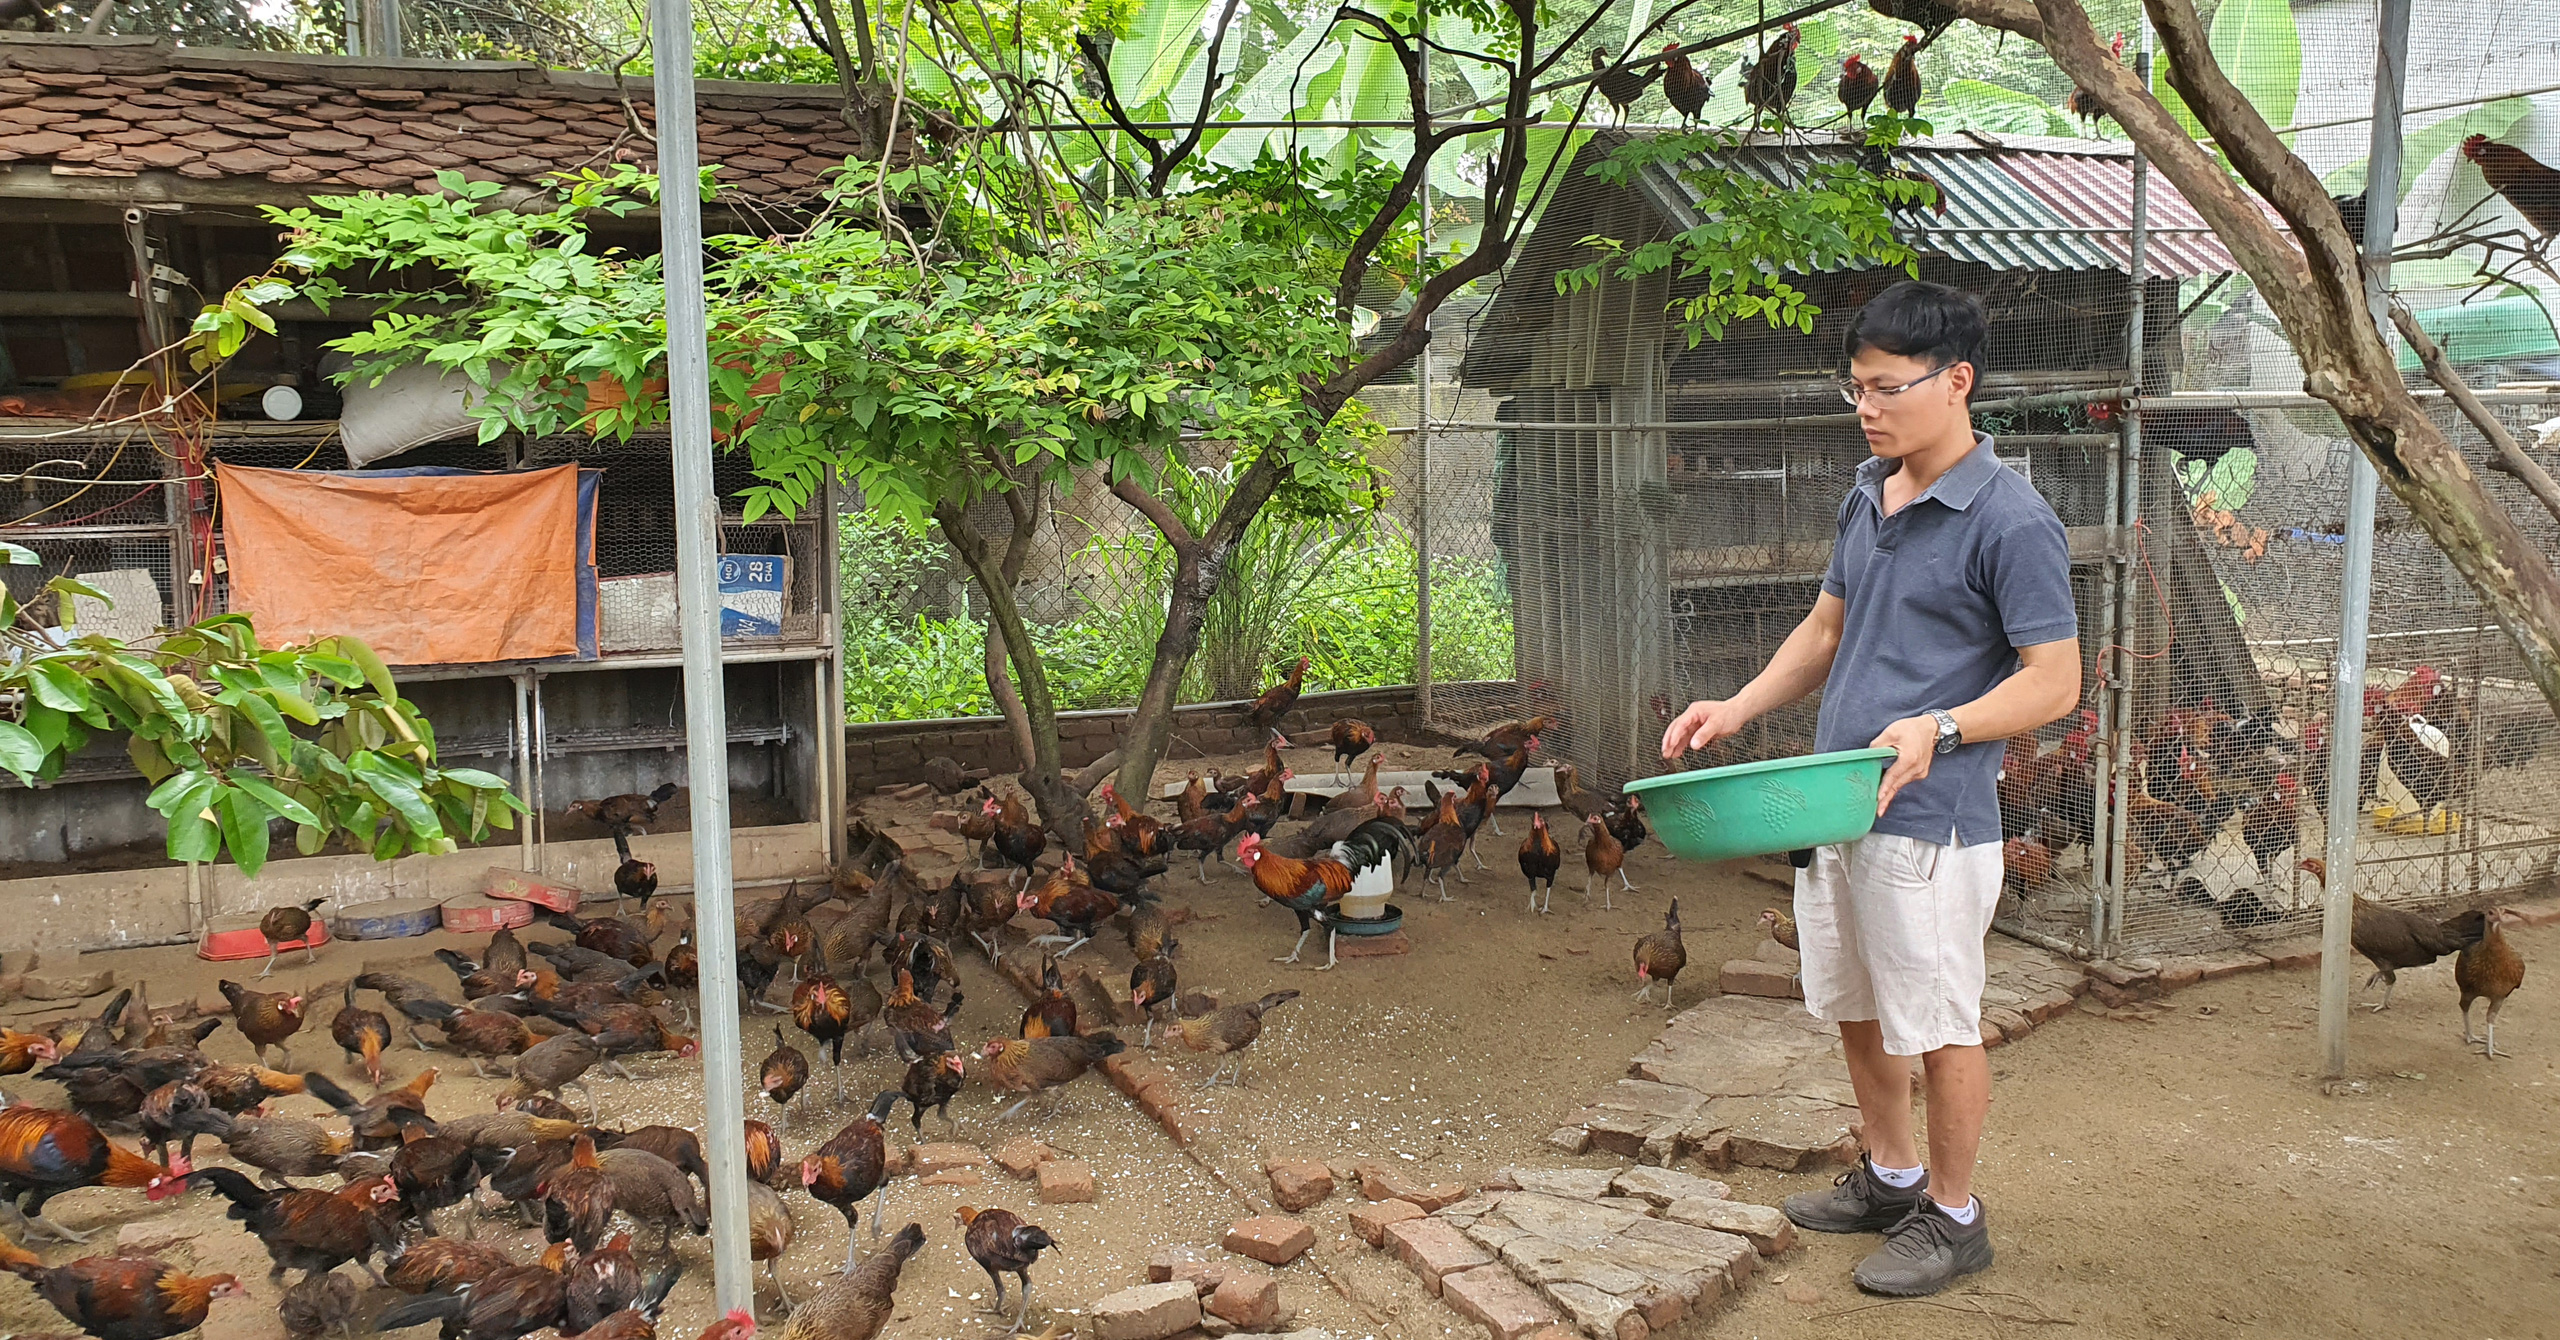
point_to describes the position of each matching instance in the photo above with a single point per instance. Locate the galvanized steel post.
(698, 614)
(2355, 609)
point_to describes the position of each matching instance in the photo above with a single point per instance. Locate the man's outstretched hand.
(1702, 725)
(1916, 740)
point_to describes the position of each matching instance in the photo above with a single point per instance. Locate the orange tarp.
(428, 570)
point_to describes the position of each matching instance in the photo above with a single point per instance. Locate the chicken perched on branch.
(1683, 86)
(122, 1297)
(1770, 84)
(2083, 104)
(1276, 701)
(1363, 863)
(1619, 85)
(2528, 184)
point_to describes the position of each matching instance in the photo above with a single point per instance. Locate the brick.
(1758, 977)
(1168, 1261)
(1768, 1230)
(1494, 1299)
(1021, 1157)
(1380, 1182)
(1204, 1277)
(1434, 1249)
(1270, 1239)
(1147, 1312)
(1570, 1139)
(931, 1159)
(956, 1177)
(1066, 1182)
(1663, 1186)
(1248, 1298)
(2012, 1024)
(1372, 1221)
(1299, 1183)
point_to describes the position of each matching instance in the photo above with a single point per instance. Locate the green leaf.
(308, 840)
(244, 828)
(21, 752)
(475, 778)
(192, 837)
(57, 685)
(262, 714)
(148, 759)
(19, 555)
(274, 799)
(398, 791)
(375, 672)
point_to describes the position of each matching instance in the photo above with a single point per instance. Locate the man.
(1945, 626)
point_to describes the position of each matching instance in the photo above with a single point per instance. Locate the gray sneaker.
(1926, 1252)
(1858, 1202)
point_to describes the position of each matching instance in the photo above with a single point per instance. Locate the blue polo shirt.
(1940, 595)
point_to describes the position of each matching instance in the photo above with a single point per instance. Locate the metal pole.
(698, 611)
(524, 762)
(1422, 423)
(2116, 783)
(2355, 605)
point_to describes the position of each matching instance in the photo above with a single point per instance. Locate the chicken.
(506, 1303)
(634, 878)
(1111, 865)
(311, 1231)
(770, 1229)
(1149, 932)
(1068, 899)
(1053, 1013)
(415, 1001)
(1540, 858)
(284, 925)
(1363, 864)
(2083, 103)
(1442, 843)
(1857, 85)
(1660, 956)
(1276, 701)
(2169, 834)
(1625, 821)
(179, 1110)
(1208, 834)
(1226, 792)
(675, 1144)
(432, 1171)
(1770, 84)
(1358, 794)
(1352, 737)
(319, 1305)
(19, 1052)
(1902, 77)
(490, 1034)
(858, 1303)
(784, 1072)
(577, 1199)
(653, 1190)
(554, 1064)
(2026, 861)
(1018, 840)
(1619, 86)
(627, 813)
(2532, 187)
(764, 1153)
(1602, 856)
(371, 1120)
(2490, 970)
(916, 1028)
(1683, 86)
(638, 1318)
(266, 1019)
(610, 936)
(44, 1153)
(1151, 984)
(932, 1081)
(823, 1011)
(1028, 1066)
(1000, 1242)
(121, 1297)
(1141, 835)
(1229, 1030)
(1781, 927)
(2426, 737)
(2393, 939)
(432, 1264)
(361, 1034)
(852, 1164)
(283, 1147)
(2273, 823)
(1509, 737)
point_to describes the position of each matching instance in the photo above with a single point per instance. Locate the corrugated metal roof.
(2012, 203)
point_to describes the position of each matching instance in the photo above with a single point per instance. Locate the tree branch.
(1210, 80)
(1111, 104)
(1154, 509)
(2510, 456)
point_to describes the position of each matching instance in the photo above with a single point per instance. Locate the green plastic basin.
(1754, 809)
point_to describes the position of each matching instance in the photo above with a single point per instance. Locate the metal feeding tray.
(1388, 924)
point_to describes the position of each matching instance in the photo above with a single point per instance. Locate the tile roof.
(318, 125)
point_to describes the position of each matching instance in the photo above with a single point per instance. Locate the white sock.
(1972, 1210)
(1905, 1178)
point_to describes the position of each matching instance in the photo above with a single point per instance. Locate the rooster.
(1508, 738)
(1540, 858)
(1276, 701)
(1068, 899)
(1053, 1015)
(44, 1153)
(361, 1033)
(2274, 822)
(1618, 84)
(1363, 863)
(1140, 834)
(2426, 737)
(634, 878)
(1770, 84)
(126, 1297)
(1351, 738)
(2531, 186)
(312, 1231)
(1902, 77)
(1015, 838)
(1030, 1066)
(824, 1011)
(1857, 85)
(1683, 87)
(2083, 103)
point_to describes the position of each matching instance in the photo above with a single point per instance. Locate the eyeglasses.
(1853, 393)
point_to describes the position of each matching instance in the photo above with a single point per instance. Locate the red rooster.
(1770, 84)
(1902, 77)
(122, 1297)
(1683, 87)
(2426, 737)
(1857, 85)
(2083, 104)
(1363, 863)
(1069, 899)
(1351, 738)
(44, 1153)
(2527, 183)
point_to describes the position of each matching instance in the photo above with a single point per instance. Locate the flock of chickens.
(2204, 770)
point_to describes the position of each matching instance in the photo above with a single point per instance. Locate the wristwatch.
(1949, 733)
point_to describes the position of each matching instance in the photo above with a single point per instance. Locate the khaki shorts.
(1891, 930)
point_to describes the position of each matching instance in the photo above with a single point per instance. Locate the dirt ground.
(2183, 1177)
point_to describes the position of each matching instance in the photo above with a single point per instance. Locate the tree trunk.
(2314, 283)
(1061, 809)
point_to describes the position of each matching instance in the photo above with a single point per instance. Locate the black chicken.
(1620, 85)
(1771, 82)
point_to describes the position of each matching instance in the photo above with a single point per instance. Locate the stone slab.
(1495, 1299)
(1372, 1220)
(1434, 1250)
(1767, 1230)
(1662, 1186)
(1147, 1312)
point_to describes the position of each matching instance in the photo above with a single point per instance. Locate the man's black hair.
(1938, 325)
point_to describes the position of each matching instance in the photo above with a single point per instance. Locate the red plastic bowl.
(231, 939)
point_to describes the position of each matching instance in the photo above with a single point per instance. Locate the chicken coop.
(1664, 514)
(522, 587)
